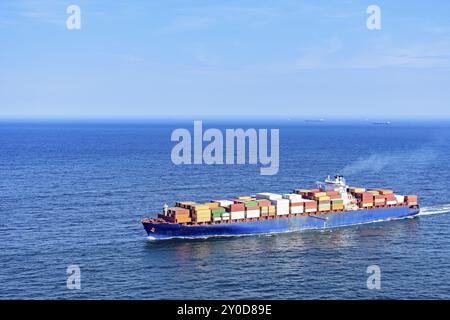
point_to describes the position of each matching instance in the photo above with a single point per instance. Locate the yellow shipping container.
(374, 192)
(198, 207)
(323, 198)
(201, 213)
(320, 194)
(244, 198)
(386, 191)
(356, 189)
(272, 209)
(201, 216)
(212, 205)
(202, 219)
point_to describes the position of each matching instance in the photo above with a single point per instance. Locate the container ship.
(331, 204)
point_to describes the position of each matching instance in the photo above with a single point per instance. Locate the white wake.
(437, 209)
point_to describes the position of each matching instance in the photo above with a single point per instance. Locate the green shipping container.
(251, 204)
(337, 201)
(218, 210)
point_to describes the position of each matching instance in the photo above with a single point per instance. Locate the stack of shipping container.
(376, 198)
(411, 200)
(236, 210)
(178, 215)
(281, 206)
(271, 204)
(200, 213)
(337, 203)
(296, 203)
(267, 209)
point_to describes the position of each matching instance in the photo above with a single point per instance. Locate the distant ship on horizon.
(315, 120)
(382, 122)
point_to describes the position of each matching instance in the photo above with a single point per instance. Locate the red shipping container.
(264, 203)
(335, 196)
(367, 195)
(297, 204)
(390, 197)
(310, 205)
(236, 207)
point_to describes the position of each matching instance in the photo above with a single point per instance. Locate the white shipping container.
(252, 214)
(391, 202)
(279, 202)
(292, 196)
(400, 199)
(310, 210)
(217, 219)
(238, 215)
(225, 218)
(268, 195)
(224, 203)
(282, 212)
(296, 209)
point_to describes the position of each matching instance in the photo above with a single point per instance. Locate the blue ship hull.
(279, 224)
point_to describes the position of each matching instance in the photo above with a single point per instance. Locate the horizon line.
(308, 120)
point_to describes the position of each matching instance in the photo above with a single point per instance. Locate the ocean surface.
(74, 194)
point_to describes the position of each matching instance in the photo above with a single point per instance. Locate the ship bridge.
(338, 184)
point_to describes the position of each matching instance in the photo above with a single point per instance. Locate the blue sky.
(235, 59)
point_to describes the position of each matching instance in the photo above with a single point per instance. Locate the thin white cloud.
(331, 55)
(426, 55)
(24, 11)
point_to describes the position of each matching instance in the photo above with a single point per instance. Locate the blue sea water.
(74, 193)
